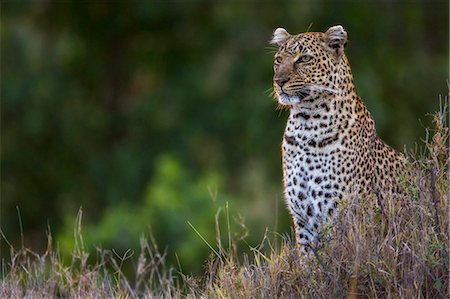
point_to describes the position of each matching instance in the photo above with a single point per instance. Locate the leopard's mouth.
(306, 91)
(291, 99)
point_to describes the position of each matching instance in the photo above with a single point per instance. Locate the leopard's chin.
(287, 99)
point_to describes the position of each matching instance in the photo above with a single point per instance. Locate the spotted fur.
(330, 146)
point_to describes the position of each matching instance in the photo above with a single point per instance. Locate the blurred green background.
(151, 114)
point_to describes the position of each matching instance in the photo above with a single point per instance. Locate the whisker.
(269, 90)
(271, 47)
(320, 88)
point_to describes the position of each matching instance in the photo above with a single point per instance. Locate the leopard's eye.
(278, 59)
(305, 58)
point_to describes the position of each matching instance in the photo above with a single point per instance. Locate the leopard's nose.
(281, 81)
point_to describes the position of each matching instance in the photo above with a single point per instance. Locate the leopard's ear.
(280, 36)
(336, 39)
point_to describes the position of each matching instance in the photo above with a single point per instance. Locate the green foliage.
(172, 198)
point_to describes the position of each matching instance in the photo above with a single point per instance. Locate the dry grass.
(29, 275)
(373, 249)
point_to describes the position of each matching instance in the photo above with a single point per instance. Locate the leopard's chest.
(317, 166)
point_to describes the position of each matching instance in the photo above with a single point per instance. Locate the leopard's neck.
(327, 119)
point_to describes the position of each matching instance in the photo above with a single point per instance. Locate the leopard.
(330, 147)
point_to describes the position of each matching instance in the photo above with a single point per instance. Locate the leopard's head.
(309, 64)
